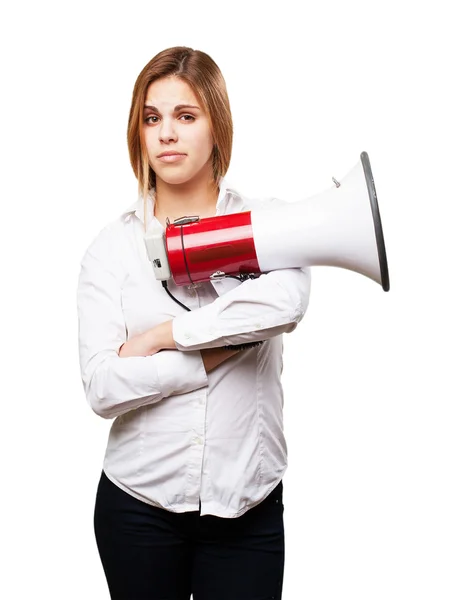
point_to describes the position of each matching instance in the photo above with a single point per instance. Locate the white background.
(312, 84)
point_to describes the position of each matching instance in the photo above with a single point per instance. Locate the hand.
(212, 357)
(139, 345)
(150, 342)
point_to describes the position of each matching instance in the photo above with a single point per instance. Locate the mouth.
(171, 157)
(170, 154)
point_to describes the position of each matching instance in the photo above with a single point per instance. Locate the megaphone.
(340, 227)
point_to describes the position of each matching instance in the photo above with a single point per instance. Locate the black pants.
(149, 553)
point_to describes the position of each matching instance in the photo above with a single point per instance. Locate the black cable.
(165, 286)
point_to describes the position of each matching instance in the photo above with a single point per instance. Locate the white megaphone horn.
(340, 227)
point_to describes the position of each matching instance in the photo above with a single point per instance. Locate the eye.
(148, 120)
(189, 117)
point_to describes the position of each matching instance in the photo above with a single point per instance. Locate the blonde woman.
(190, 497)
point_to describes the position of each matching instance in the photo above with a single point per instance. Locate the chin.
(173, 178)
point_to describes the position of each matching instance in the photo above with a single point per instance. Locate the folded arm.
(257, 309)
(115, 385)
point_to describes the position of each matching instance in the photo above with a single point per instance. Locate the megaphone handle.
(243, 346)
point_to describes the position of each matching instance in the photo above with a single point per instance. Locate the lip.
(171, 157)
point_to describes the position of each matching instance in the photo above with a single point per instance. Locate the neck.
(194, 197)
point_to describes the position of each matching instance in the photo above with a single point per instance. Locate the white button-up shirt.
(179, 434)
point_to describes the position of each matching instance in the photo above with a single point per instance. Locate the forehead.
(170, 91)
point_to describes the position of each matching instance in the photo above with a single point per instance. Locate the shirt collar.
(225, 190)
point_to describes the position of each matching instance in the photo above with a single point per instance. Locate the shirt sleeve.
(115, 385)
(257, 309)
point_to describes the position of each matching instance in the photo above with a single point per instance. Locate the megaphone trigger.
(337, 183)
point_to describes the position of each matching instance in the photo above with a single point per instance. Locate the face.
(175, 123)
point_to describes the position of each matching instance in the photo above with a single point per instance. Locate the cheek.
(150, 138)
(202, 142)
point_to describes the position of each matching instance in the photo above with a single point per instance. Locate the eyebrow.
(177, 108)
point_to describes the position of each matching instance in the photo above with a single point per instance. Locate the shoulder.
(232, 200)
(264, 203)
(259, 203)
(107, 240)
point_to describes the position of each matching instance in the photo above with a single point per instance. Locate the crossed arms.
(120, 375)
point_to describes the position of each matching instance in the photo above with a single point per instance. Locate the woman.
(190, 499)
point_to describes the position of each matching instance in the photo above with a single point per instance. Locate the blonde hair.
(205, 78)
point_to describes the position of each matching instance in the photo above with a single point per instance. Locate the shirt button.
(198, 440)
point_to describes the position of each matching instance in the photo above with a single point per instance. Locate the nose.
(167, 131)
